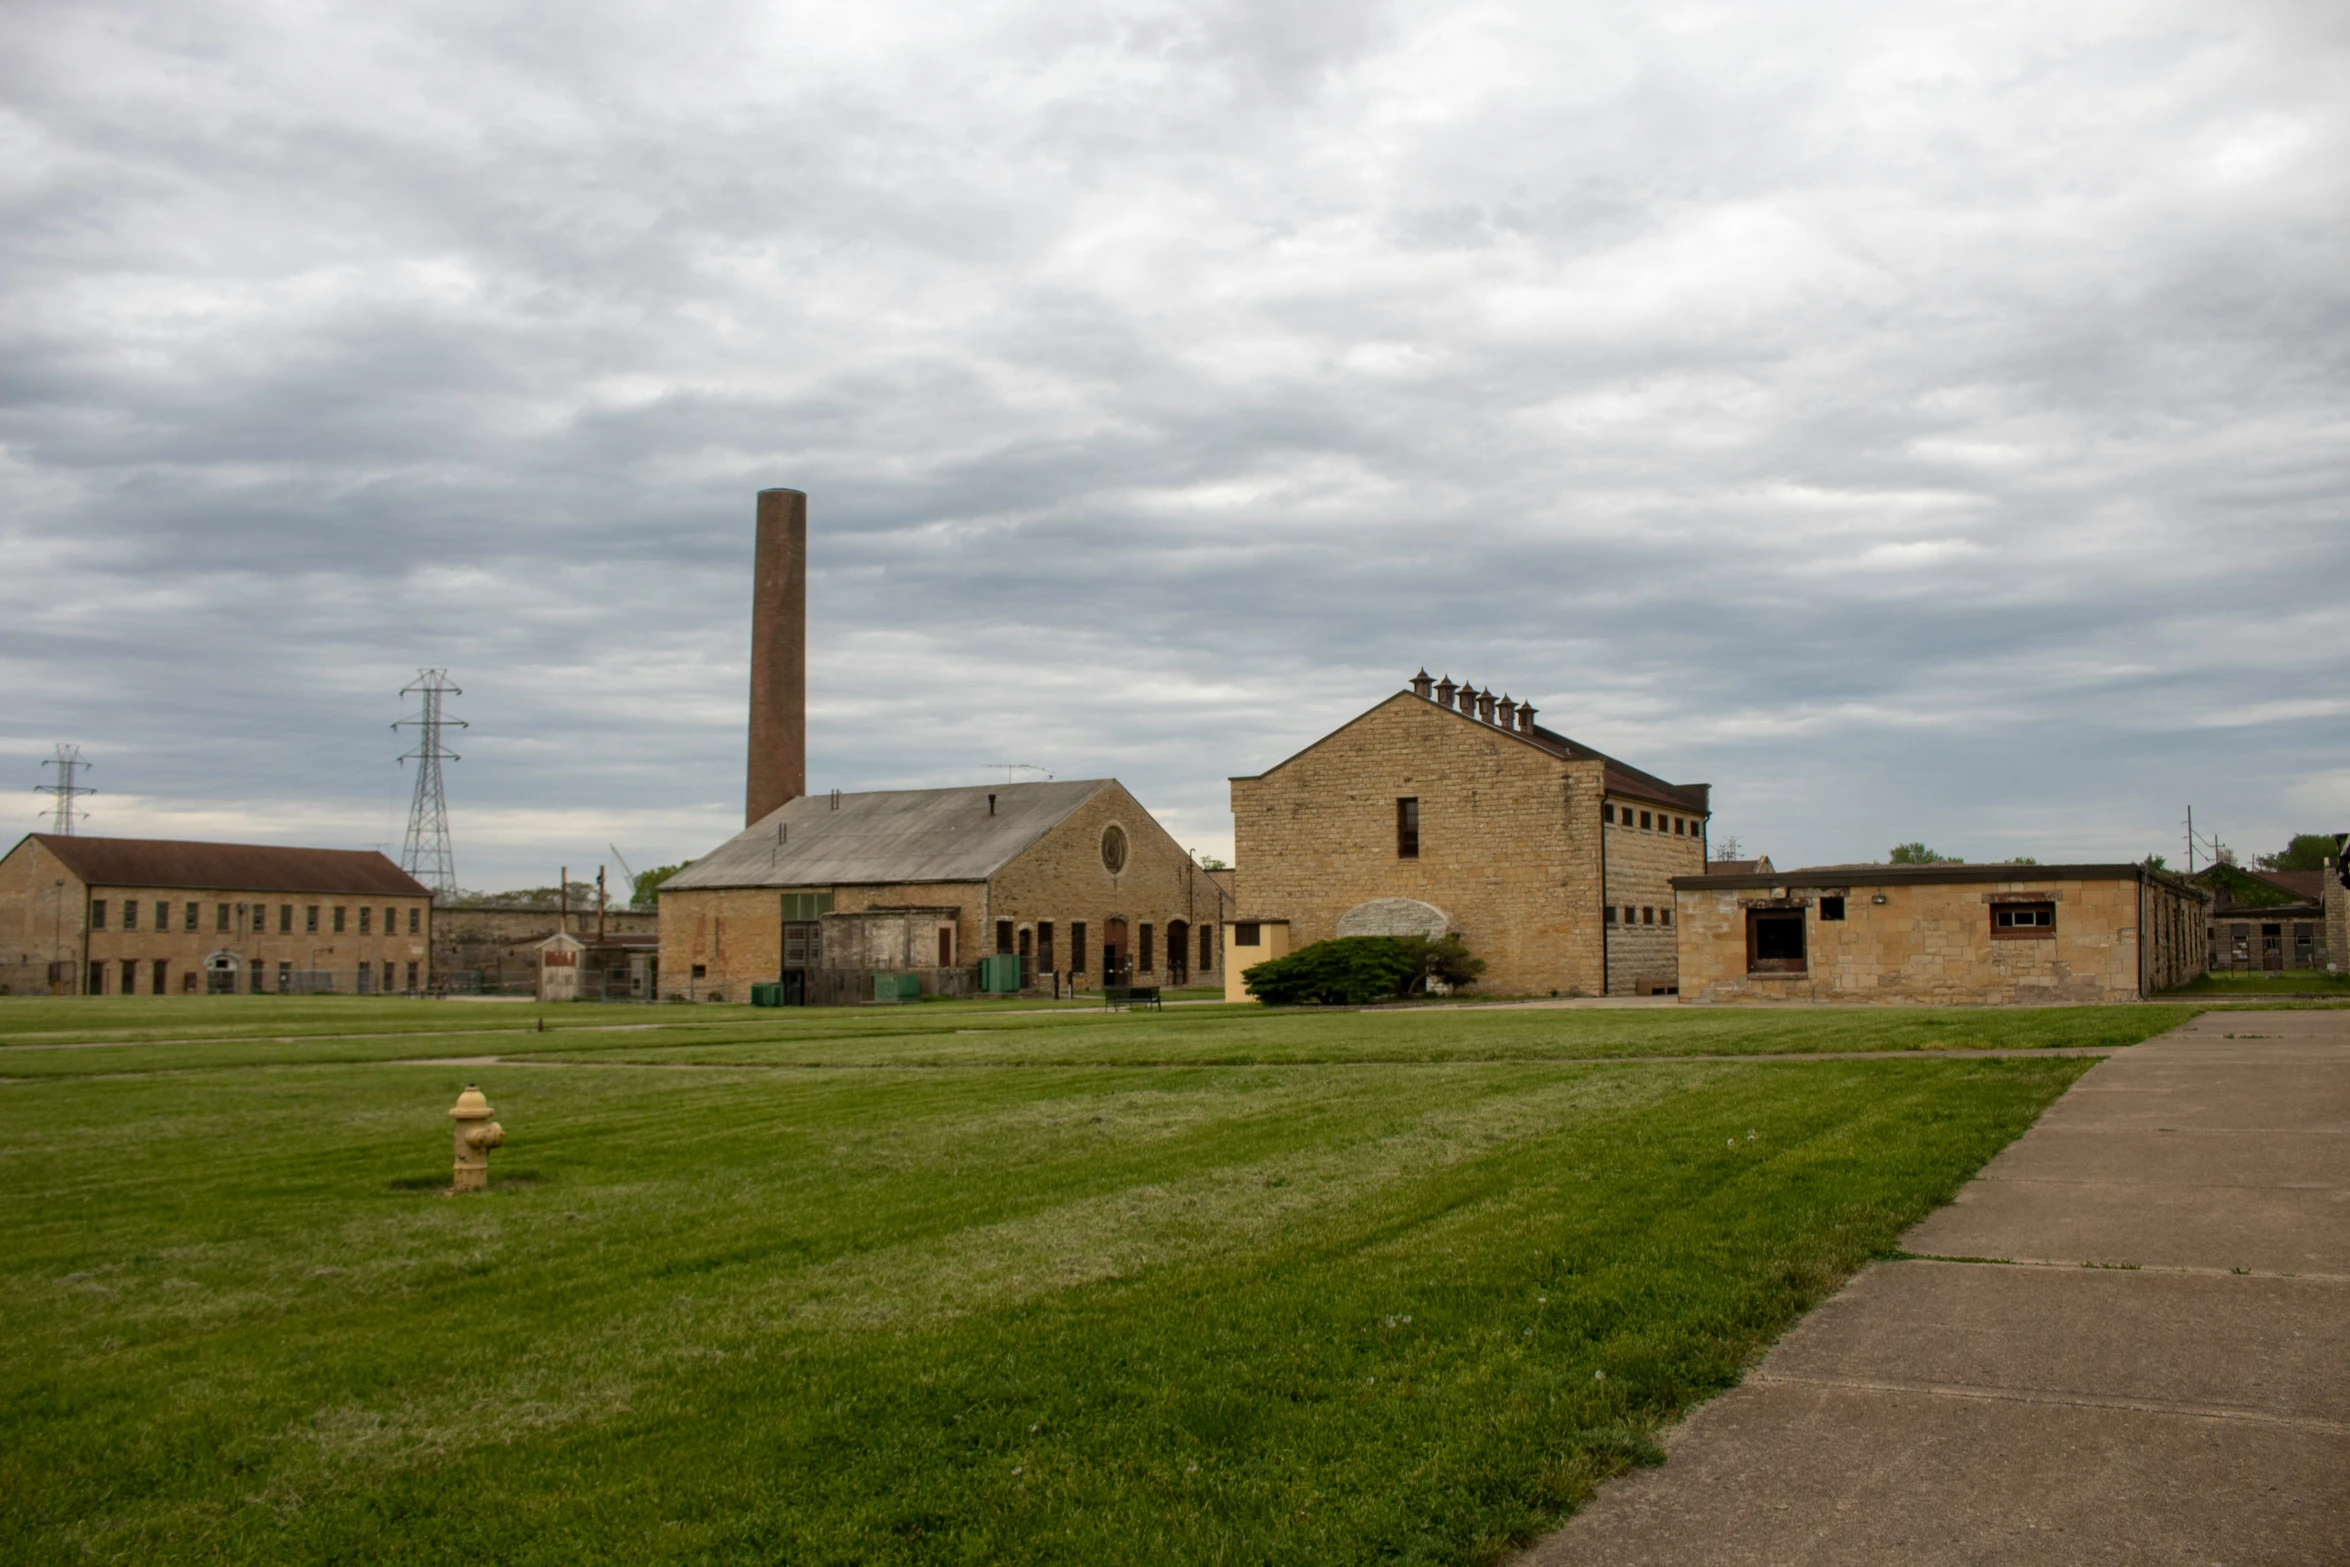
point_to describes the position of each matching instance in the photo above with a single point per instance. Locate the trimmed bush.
(1353, 971)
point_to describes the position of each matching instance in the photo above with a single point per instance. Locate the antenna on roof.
(1013, 768)
(68, 762)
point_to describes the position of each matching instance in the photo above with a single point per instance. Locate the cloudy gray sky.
(1918, 421)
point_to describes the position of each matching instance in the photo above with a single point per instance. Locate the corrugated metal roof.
(227, 867)
(891, 835)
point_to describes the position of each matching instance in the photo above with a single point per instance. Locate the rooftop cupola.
(1420, 684)
(1444, 690)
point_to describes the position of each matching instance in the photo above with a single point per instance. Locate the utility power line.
(68, 762)
(426, 854)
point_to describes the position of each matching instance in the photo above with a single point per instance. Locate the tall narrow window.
(130, 975)
(162, 982)
(1077, 947)
(1044, 948)
(162, 915)
(1003, 935)
(285, 919)
(413, 914)
(98, 978)
(1142, 949)
(220, 916)
(1611, 914)
(1407, 829)
(1644, 819)
(130, 917)
(1207, 948)
(188, 917)
(310, 918)
(412, 977)
(1647, 914)
(98, 914)
(1607, 813)
(366, 919)
(338, 919)
(946, 946)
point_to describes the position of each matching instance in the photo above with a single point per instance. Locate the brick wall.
(1509, 841)
(1643, 953)
(1932, 943)
(40, 923)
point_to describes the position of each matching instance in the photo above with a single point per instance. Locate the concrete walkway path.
(2165, 1378)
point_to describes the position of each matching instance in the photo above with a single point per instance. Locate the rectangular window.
(1630, 914)
(946, 946)
(701, 971)
(1647, 915)
(391, 921)
(806, 905)
(1607, 813)
(130, 915)
(1077, 947)
(387, 990)
(1247, 933)
(1611, 914)
(1831, 908)
(97, 979)
(285, 978)
(98, 914)
(1003, 936)
(1045, 955)
(2022, 921)
(220, 916)
(162, 980)
(1643, 821)
(189, 919)
(413, 915)
(285, 918)
(1207, 947)
(1664, 916)
(366, 919)
(162, 915)
(258, 974)
(130, 975)
(310, 919)
(412, 977)
(1774, 941)
(1142, 945)
(1407, 829)
(1027, 942)
(338, 919)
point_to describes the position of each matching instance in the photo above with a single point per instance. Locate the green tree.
(645, 891)
(2308, 851)
(1919, 854)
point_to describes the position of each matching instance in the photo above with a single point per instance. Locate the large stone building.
(1943, 934)
(2265, 922)
(1446, 809)
(493, 948)
(824, 893)
(138, 916)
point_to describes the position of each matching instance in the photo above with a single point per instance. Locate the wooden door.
(1115, 964)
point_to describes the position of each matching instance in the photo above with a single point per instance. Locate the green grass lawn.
(931, 1284)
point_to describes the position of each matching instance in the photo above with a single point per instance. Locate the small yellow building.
(1939, 934)
(158, 917)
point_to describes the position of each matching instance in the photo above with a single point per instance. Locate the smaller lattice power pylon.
(69, 764)
(426, 854)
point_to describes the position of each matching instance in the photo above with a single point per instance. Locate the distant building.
(1753, 867)
(2265, 922)
(493, 948)
(1942, 934)
(1442, 809)
(154, 917)
(827, 891)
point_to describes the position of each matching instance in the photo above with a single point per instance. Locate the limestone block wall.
(1643, 952)
(1508, 841)
(40, 922)
(735, 934)
(1063, 878)
(1932, 943)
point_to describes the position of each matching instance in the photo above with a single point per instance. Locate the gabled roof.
(1620, 778)
(1754, 867)
(891, 835)
(225, 867)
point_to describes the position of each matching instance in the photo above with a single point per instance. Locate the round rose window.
(1113, 849)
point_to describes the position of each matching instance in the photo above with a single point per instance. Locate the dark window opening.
(98, 978)
(701, 971)
(188, 918)
(1630, 914)
(285, 977)
(162, 915)
(130, 976)
(1407, 829)
(1027, 942)
(1077, 947)
(1044, 948)
(1142, 949)
(1831, 908)
(413, 916)
(130, 914)
(411, 976)
(1207, 948)
(366, 919)
(220, 916)
(2023, 920)
(1647, 915)
(1003, 936)
(162, 983)
(1774, 941)
(285, 919)
(1665, 917)
(98, 914)
(946, 947)
(1607, 813)
(1246, 933)
(1680, 826)
(1611, 914)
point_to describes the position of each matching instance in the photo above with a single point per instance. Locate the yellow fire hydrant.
(477, 1134)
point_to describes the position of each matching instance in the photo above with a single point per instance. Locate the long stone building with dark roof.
(1444, 808)
(825, 892)
(157, 917)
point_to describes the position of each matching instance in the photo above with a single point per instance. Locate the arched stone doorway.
(220, 974)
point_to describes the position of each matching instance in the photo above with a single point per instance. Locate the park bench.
(1116, 996)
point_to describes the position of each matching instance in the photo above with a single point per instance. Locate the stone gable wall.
(1061, 878)
(1509, 841)
(1644, 954)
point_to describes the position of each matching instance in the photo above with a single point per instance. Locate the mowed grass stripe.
(814, 1317)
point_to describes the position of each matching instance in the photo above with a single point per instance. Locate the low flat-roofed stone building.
(1552, 861)
(1939, 934)
(146, 916)
(828, 891)
(492, 948)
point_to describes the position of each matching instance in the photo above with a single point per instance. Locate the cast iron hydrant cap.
(471, 1106)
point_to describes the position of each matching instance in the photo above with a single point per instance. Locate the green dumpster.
(768, 995)
(999, 974)
(897, 987)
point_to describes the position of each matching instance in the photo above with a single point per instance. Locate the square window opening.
(1831, 908)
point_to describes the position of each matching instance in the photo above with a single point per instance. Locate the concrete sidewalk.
(2166, 1379)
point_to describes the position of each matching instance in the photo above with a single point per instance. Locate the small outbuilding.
(1939, 934)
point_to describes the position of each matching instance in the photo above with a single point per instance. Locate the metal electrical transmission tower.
(426, 854)
(68, 762)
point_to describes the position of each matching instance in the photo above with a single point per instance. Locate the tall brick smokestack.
(778, 772)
